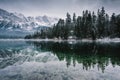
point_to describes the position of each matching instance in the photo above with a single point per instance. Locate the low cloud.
(58, 7)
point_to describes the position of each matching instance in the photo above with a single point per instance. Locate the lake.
(59, 60)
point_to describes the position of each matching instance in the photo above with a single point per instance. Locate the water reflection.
(13, 53)
(87, 53)
(49, 60)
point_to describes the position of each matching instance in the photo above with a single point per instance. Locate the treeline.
(88, 26)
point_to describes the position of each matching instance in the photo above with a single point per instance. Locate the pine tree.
(93, 27)
(74, 18)
(78, 30)
(118, 25)
(89, 25)
(67, 26)
(101, 23)
(112, 24)
(107, 26)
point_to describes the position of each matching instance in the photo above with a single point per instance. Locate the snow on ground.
(104, 40)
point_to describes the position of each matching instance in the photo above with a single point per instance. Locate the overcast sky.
(58, 8)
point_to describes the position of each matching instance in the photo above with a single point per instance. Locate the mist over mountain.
(16, 24)
(58, 7)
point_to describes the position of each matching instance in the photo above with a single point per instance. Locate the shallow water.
(53, 60)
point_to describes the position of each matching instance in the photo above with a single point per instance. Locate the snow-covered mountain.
(16, 24)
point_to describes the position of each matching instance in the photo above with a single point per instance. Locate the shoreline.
(106, 40)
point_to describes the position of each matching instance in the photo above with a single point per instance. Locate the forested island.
(88, 26)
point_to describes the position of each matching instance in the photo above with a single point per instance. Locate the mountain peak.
(25, 22)
(12, 24)
(2, 10)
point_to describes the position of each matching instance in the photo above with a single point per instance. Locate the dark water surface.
(50, 60)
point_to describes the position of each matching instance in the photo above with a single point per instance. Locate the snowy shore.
(104, 40)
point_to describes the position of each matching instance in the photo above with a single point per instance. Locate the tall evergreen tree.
(68, 26)
(113, 26)
(101, 23)
(107, 26)
(74, 18)
(93, 27)
(78, 30)
(118, 25)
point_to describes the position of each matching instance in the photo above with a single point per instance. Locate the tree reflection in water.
(89, 54)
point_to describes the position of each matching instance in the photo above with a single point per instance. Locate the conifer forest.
(90, 25)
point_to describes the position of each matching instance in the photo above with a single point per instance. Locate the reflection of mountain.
(18, 52)
(89, 54)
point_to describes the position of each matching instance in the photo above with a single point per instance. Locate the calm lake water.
(50, 60)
